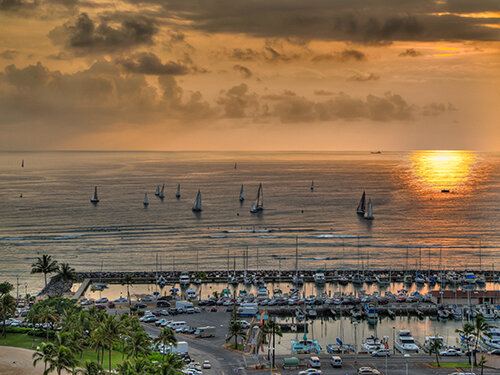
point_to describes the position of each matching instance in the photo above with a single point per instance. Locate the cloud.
(361, 77)
(342, 56)
(379, 22)
(9, 54)
(323, 92)
(436, 109)
(149, 63)
(238, 102)
(411, 52)
(245, 72)
(84, 35)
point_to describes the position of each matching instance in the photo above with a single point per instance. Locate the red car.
(401, 299)
(100, 307)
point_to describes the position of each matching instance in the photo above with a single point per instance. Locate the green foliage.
(5, 288)
(236, 330)
(65, 273)
(59, 304)
(435, 347)
(45, 265)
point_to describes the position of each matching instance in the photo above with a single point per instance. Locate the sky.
(249, 75)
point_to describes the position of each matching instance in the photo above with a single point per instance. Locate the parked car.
(311, 371)
(336, 361)
(140, 305)
(162, 304)
(314, 362)
(207, 364)
(121, 300)
(450, 353)
(100, 307)
(102, 300)
(368, 371)
(381, 353)
(111, 305)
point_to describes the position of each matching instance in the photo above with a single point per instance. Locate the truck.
(248, 309)
(184, 306)
(205, 332)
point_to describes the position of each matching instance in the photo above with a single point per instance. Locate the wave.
(12, 238)
(249, 231)
(339, 236)
(218, 236)
(268, 236)
(68, 236)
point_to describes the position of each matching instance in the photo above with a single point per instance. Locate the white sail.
(146, 201)
(162, 192)
(178, 194)
(258, 205)
(157, 192)
(242, 198)
(197, 202)
(94, 198)
(369, 211)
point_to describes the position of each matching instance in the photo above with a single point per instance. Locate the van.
(336, 361)
(314, 362)
(175, 325)
(205, 332)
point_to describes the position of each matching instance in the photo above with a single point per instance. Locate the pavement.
(226, 361)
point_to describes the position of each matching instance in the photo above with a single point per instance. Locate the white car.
(102, 300)
(314, 362)
(368, 371)
(207, 364)
(310, 371)
(121, 299)
(381, 353)
(450, 353)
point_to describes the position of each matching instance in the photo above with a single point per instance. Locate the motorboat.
(488, 312)
(419, 279)
(405, 343)
(184, 279)
(383, 280)
(319, 278)
(357, 279)
(469, 278)
(371, 344)
(263, 292)
(312, 314)
(431, 339)
(371, 311)
(491, 338)
(305, 346)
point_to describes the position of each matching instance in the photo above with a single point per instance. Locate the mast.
(178, 194)
(296, 256)
(146, 201)
(22, 164)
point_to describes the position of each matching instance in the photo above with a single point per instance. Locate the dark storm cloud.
(411, 52)
(245, 72)
(371, 22)
(85, 35)
(342, 56)
(149, 63)
(360, 77)
(238, 102)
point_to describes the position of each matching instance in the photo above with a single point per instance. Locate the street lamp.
(393, 340)
(406, 360)
(355, 342)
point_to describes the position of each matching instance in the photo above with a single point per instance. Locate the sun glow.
(442, 170)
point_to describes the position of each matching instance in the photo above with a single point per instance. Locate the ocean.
(416, 225)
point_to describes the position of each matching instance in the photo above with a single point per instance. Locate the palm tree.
(467, 333)
(269, 328)
(44, 265)
(7, 309)
(33, 318)
(127, 280)
(47, 315)
(65, 273)
(138, 343)
(174, 361)
(5, 288)
(112, 328)
(236, 330)
(98, 341)
(166, 337)
(435, 347)
(44, 353)
(91, 368)
(63, 359)
(482, 362)
(480, 328)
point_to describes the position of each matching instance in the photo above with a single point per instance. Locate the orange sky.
(249, 75)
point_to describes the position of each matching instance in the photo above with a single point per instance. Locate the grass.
(21, 340)
(451, 364)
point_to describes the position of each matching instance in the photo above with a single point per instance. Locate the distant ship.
(178, 194)
(94, 198)
(375, 152)
(22, 164)
(242, 198)
(146, 201)
(312, 185)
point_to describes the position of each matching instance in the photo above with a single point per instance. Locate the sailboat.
(312, 185)
(362, 205)
(197, 202)
(162, 192)
(94, 198)
(157, 192)
(297, 279)
(242, 198)
(258, 205)
(369, 212)
(146, 201)
(235, 165)
(22, 164)
(178, 194)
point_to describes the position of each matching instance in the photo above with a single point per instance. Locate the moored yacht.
(319, 278)
(470, 278)
(305, 346)
(371, 344)
(184, 279)
(492, 338)
(405, 342)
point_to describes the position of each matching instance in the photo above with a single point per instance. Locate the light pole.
(355, 342)
(406, 362)
(393, 340)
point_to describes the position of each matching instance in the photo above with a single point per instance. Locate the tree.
(480, 328)
(91, 368)
(166, 338)
(47, 315)
(112, 329)
(138, 344)
(482, 362)
(44, 265)
(33, 318)
(435, 347)
(6, 288)
(65, 273)
(7, 309)
(62, 359)
(98, 341)
(44, 353)
(269, 328)
(236, 330)
(127, 280)
(467, 334)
